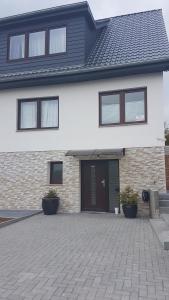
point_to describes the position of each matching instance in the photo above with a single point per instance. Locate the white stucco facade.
(25, 156)
(79, 117)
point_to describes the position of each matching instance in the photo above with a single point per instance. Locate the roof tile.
(131, 38)
(126, 40)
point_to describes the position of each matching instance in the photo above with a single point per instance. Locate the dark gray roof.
(128, 40)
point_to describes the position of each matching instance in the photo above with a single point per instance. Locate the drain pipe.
(154, 204)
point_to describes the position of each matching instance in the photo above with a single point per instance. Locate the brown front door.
(94, 179)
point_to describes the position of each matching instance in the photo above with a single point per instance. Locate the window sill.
(54, 184)
(29, 58)
(122, 125)
(37, 129)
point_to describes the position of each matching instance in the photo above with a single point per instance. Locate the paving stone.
(82, 257)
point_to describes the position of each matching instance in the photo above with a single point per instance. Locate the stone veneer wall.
(143, 168)
(24, 177)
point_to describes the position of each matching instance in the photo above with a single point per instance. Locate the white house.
(81, 107)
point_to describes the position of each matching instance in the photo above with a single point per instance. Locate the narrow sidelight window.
(38, 113)
(37, 43)
(17, 47)
(123, 107)
(56, 172)
(57, 40)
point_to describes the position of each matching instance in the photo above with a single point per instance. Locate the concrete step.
(165, 217)
(161, 229)
(164, 203)
(164, 196)
(164, 210)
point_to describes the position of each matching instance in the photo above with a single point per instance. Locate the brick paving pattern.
(82, 257)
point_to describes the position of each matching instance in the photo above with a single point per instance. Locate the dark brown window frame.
(38, 101)
(121, 93)
(48, 40)
(47, 43)
(28, 40)
(8, 46)
(51, 170)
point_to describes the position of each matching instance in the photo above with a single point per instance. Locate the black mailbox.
(145, 196)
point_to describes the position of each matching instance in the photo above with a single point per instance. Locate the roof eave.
(87, 75)
(76, 8)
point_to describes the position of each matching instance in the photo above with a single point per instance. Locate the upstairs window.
(49, 113)
(36, 43)
(17, 46)
(28, 114)
(111, 109)
(57, 40)
(135, 106)
(123, 107)
(38, 113)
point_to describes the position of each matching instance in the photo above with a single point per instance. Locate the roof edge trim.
(46, 13)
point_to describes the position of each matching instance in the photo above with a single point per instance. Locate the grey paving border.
(161, 229)
(15, 220)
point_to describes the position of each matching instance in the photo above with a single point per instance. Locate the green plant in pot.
(129, 199)
(50, 202)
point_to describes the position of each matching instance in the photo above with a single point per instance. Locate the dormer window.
(57, 40)
(17, 46)
(37, 43)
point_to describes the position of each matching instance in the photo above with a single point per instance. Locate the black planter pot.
(130, 210)
(50, 205)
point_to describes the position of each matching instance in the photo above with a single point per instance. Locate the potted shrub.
(50, 203)
(128, 199)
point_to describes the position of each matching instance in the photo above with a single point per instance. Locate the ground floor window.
(56, 172)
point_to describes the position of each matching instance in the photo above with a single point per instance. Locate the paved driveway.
(84, 257)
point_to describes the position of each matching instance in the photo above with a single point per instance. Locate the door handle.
(103, 183)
